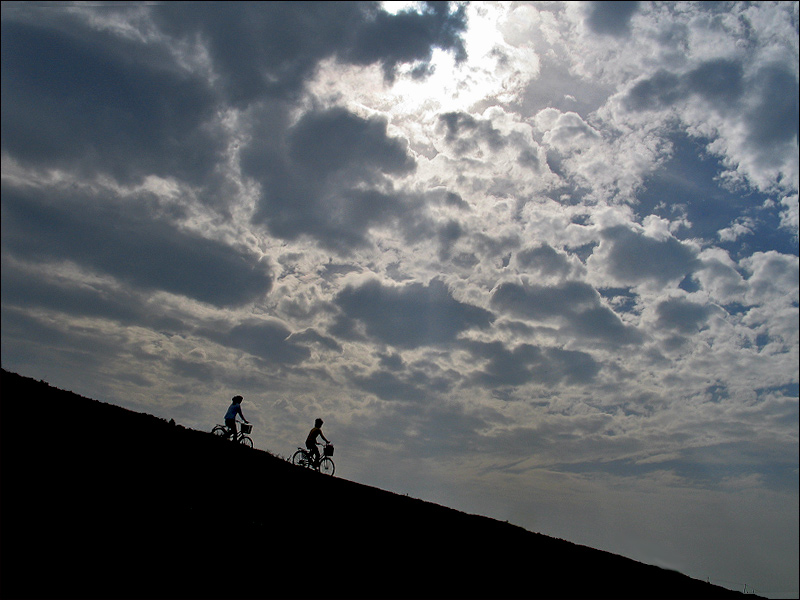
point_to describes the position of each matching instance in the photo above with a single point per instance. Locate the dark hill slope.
(102, 502)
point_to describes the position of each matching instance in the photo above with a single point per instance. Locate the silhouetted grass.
(103, 502)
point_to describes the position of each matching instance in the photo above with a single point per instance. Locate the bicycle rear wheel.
(300, 458)
(219, 431)
(246, 441)
(326, 467)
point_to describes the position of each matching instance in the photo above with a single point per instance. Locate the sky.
(531, 260)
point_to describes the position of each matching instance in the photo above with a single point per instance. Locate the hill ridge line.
(162, 510)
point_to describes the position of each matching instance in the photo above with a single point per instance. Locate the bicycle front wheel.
(299, 458)
(246, 441)
(326, 467)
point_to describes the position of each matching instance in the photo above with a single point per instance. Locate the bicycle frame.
(303, 458)
(306, 455)
(240, 437)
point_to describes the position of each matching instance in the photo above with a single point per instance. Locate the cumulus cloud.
(720, 81)
(125, 242)
(272, 50)
(409, 316)
(631, 257)
(753, 98)
(611, 18)
(683, 315)
(268, 340)
(544, 259)
(500, 246)
(73, 102)
(576, 304)
(328, 178)
(767, 111)
(527, 363)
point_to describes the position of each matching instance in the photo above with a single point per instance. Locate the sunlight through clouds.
(541, 257)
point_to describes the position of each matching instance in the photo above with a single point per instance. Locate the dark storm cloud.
(448, 235)
(270, 48)
(335, 140)
(131, 245)
(327, 178)
(775, 118)
(77, 96)
(542, 302)
(262, 48)
(312, 336)
(543, 259)
(412, 385)
(466, 134)
(409, 37)
(717, 80)
(268, 340)
(576, 304)
(71, 101)
(661, 90)
(527, 363)
(612, 18)
(634, 258)
(410, 316)
(682, 315)
(34, 340)
(770, 111)
(396, 380)
(80, 98)
(600, 322)
(20, 289)
(463, 132)
(720, 81)
(389, 386)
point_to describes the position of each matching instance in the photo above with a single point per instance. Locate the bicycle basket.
(328, 450)
(246, 427)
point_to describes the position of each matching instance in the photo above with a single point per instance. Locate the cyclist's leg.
(231, 425)
(313, 453)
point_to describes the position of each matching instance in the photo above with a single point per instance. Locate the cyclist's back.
(311, 440)
(230, 417)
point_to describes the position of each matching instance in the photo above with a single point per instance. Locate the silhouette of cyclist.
(311, 441)
(230, 417)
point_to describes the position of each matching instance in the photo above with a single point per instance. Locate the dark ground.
(97, 501)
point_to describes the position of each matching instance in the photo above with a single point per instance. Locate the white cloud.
(531, 255)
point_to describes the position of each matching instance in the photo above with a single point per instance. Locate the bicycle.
(241, 437)
(325, 466)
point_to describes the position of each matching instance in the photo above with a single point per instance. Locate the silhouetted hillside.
(102, 502)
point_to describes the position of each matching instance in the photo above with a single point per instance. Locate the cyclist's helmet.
(237, 399)
(318, 423)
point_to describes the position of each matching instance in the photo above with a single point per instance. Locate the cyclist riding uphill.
(311, 440)
(230, 417)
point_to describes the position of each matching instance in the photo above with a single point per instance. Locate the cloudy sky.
(531, 260)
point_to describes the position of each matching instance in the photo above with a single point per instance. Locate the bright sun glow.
(492, 71)
(485, 73)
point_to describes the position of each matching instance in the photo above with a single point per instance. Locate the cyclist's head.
(318, 423)
(237, 399)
